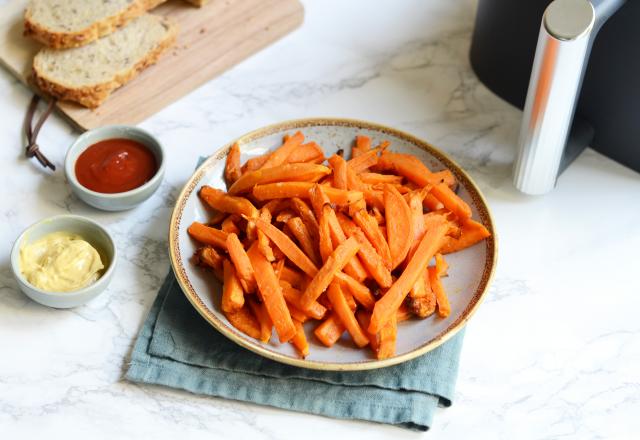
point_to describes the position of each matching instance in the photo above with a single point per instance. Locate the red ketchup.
(115, 165)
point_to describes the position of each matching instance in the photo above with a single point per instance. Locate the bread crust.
(66, 40)
(94, 95)
(198, 3)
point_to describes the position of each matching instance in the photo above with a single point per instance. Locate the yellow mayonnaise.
(60, 262)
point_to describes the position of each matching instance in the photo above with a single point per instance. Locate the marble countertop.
(554, 352)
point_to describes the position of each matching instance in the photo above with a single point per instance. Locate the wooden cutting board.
(211, 39)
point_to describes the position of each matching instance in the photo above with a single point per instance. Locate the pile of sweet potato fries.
(348, 244)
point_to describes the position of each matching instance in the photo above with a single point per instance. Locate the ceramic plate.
(469, 274)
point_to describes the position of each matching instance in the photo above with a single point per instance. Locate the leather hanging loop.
(31, 131)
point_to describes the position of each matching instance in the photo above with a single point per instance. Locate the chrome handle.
(566, 35)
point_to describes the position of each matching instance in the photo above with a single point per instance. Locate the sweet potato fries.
(354, 246)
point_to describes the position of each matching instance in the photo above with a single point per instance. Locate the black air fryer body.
(502, 54)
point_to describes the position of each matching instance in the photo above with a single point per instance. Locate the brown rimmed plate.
(469, 274)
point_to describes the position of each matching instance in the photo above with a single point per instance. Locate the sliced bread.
(88, 74)
(71, 23)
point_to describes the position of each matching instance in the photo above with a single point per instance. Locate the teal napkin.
(178, 348)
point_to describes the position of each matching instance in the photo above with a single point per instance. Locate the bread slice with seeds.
(88, 74)
(71, 23)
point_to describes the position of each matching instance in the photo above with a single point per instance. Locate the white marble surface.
(554, 352)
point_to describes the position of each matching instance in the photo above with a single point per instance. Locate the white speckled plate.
(469, 274)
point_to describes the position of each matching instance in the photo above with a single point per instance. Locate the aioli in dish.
(60, 262)
(115, 166)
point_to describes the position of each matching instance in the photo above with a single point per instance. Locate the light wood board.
(211, 39)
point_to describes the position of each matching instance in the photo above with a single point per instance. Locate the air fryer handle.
(566, 36)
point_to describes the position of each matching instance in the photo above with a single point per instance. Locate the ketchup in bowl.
(115, 166)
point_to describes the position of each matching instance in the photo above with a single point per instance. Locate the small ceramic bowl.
(114, 201)
(93, 233)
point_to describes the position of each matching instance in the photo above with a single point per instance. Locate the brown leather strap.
(31, 131)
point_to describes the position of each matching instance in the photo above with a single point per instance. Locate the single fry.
(208, 257)
(291, 172)
(422, 299)
(307, 216)
(255, 163)
(223, 202)
(364, 318)
(444, 308)
(446, 177)
(318, 199)
(207, 235)
(325, 244)
(309, 152)
(232, 170)
(399, 227)
(302, 235)
(471, 233)
(417, 218)
(441, 265)
(413, 169)
(272, 295)
(377, 178)
(241, 263)
(329, 331)
(263, 240)
(299, 340)
(451, 201)
(266, 326)
(362, 145)
(232, 293)
(336, 261)
(244, 321)
(287, 190)
(387, 339)
(339, 166)
(342, 309)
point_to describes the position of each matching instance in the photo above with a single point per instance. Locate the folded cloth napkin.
(178, 348)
